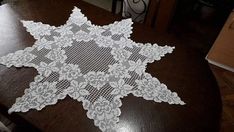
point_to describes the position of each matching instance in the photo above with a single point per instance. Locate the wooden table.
(185, 71)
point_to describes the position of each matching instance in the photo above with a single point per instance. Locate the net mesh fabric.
(97, 65)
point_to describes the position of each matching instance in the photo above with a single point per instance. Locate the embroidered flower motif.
(165, 95)
(38, 78)
(118, 71)
(123, 42)
(22, 104)
(37, 29)
(43, 43)
(57, 55)
(123, 27)
(46, 69)
(77, 17)
(18, 59)
(82, 36)
(69, 72)
(151, 89)
(37, 96)
(96, 79)
(96, 31)
(120, 54)
(104, 113)
(44, 93)
(120, 88)
(138, 67)
(148, 87)
(155, 52)
(104, 41)
(64, 30)
(64, 42)
(77, 90)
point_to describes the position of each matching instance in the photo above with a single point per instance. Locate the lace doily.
(96, 65)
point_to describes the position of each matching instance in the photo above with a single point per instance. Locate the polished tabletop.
(185, 71)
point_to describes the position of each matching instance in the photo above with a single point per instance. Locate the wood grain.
(225, 80)
(151, 12)
(164, 15)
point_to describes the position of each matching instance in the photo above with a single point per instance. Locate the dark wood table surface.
(185, 72)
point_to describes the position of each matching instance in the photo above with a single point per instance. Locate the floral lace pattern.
(97, 65)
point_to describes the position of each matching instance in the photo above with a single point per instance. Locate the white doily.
(96, 65)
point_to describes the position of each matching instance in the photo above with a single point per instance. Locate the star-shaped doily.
(96, 65)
